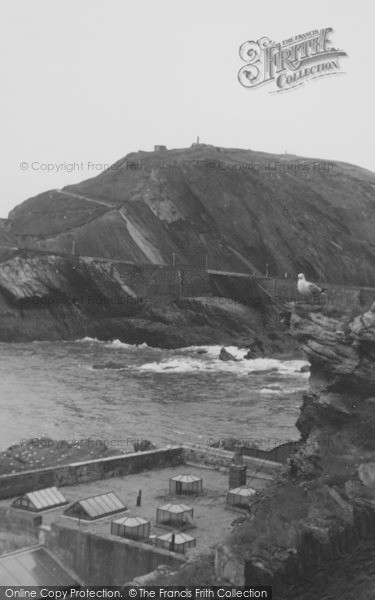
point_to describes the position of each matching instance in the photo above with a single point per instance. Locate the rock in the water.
(225, 355)
(264, 372)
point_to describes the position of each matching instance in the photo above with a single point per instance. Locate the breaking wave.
(116, 344)
(206, 358)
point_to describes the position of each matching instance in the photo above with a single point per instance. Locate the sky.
(88, 81)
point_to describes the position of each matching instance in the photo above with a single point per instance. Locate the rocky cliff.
(48, 297)
(226, 209)
(236, 209)
(312, 533)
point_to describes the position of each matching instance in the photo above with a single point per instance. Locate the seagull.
(306, 288)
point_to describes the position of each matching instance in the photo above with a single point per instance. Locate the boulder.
(226, 356)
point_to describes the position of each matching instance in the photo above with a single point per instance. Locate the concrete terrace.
(88, 549)
(213, 519)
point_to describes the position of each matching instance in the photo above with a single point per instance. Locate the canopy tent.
(240, 496)
(40, 500)
(134, 528)
(174, 514)
(180, 544)
(185, 484)
(96, 507)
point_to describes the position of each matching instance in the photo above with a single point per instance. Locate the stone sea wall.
(93, 470)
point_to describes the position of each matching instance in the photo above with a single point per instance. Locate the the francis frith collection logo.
(289, 63)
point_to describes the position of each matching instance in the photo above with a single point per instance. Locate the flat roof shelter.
(175, 514)
(40, 500)
(90, 509)
(240, 496)
(180, 543)
(134, 528)
(185, 484)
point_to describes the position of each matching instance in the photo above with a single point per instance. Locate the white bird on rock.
(306, 288)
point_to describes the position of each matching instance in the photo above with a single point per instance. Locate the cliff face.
(213, 202)
(230, 210)
(322, 509)
(341, 405)
(54, 297)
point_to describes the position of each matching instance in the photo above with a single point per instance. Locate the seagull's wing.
(313, 289)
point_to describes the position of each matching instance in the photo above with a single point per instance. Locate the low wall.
(93, 470)
(19, 521)
(210, 456)
(153, 281)
(119, 466)
(279, 454)
(338, 296)
(105, 560)
(249, 290)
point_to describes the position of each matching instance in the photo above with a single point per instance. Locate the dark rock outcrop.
(49, 297)
(322, 508)
(226, 356)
